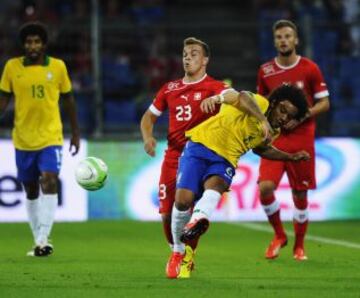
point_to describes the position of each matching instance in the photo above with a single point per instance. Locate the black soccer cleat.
(194, 229)
(43, 251)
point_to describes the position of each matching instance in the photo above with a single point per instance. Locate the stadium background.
(120, 52)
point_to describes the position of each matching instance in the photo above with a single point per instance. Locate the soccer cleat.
(299, 254)
(173, 264)
(41, 251)
(273, 250)
(194, 229)
(187, 264)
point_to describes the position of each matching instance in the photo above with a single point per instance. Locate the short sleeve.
(65, 83)
(5, 83)
(260, 84)
(159, 104)
(318, 85)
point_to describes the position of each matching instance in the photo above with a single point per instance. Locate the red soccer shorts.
(301, 174)
(167, 185)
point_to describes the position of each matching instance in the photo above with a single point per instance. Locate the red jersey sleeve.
(220, 87)
(260, 86)
(318, 85)
(159, 104)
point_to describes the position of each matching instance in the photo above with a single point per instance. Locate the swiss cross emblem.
(197, 96)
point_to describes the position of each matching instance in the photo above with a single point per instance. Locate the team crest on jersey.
(49, 76)
(197, 96)
(172, 85)
(268, 69)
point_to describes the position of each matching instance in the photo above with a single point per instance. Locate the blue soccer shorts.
(30, 164)
(197, 163)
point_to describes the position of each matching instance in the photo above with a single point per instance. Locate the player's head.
(196, 55)
(287, 102)
(33, 37)
(285, 37)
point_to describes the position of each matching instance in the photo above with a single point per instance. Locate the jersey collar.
(190, 83)
(26, 62)
(289, 66)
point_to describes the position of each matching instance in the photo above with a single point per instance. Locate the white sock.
(301, 215)
(32, 209)
(271, 208)
(178, 221)
(206, 205)
(46, 217)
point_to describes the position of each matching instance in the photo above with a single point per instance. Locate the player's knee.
(266, 189)
(182, 205)
(49, 184)
(299, 194)
(184, 199)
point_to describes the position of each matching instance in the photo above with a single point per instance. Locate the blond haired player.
(182, 98)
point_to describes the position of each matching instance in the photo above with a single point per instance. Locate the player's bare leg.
(300, 223)
(272, 210)
(166, 222)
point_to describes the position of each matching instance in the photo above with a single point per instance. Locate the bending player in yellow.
(207, 165)
(36, 82)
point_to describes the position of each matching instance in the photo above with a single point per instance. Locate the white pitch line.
(258, 227)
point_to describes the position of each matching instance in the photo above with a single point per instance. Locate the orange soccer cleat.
(299, 254)
(173, 265)
(276, 244)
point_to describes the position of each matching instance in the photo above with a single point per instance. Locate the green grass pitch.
(127, 259)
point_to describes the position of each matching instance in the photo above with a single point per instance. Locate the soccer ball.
(91, 173)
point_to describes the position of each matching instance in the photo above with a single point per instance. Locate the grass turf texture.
(127, 259)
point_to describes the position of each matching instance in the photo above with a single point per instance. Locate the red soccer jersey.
(305, 74)
(183, 102)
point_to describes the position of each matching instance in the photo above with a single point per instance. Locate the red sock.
(300, 228)
(276, 223)
(167, 232)
(300, 231)
(274, 219)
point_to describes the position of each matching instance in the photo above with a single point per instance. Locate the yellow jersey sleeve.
(65, 83)
(5, 83)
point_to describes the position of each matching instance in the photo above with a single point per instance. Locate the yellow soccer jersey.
(36, 90)
(231, 132)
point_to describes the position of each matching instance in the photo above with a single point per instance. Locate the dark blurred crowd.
(136, 57)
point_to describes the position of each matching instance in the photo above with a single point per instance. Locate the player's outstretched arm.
(246, 103)
(4, 101)
(147, 123)
(270, 152)
(242, 101)
(70, 107)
